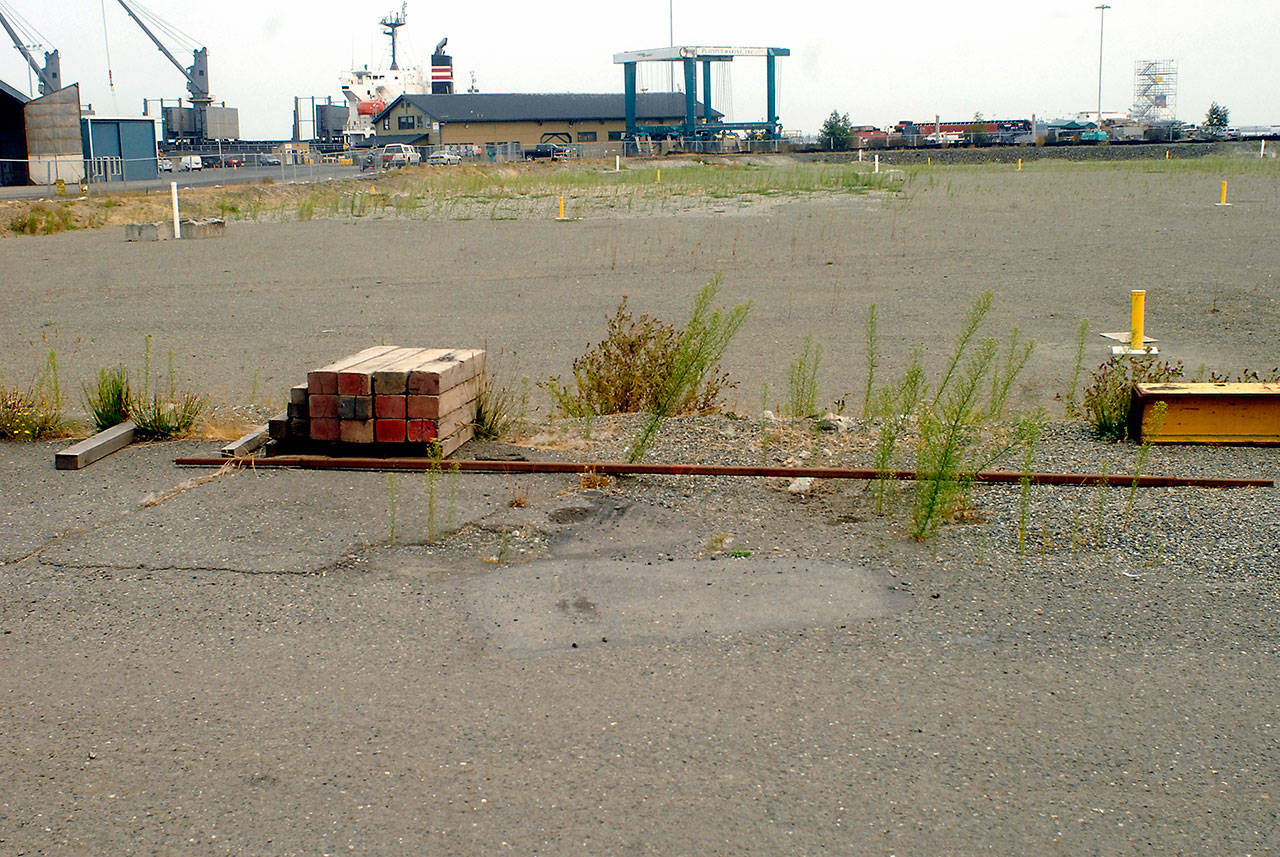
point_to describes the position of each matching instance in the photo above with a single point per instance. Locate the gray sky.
(878, 63)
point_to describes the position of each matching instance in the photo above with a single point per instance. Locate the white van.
(190, 162)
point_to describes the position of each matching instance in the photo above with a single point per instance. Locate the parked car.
(233, 161)
(546, 150)
(443, 157)
(190, 162)
(268, 161)
(399, 155)
(164, 165)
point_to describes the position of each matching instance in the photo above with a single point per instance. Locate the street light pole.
(1102, 13)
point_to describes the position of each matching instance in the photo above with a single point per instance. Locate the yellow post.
(1223, 200)
(562, 208)
(1137, 307)
(1019, 164)
(930, 160)
(1166, 154)
(659, 176)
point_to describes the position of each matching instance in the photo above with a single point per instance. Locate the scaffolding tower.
(1155, 90)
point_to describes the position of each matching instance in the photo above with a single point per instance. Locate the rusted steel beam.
(616, 468)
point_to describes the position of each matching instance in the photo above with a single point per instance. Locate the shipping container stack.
(385, 399)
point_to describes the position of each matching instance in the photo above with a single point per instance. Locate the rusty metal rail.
(617, 468)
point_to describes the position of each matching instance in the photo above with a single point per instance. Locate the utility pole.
(1102, 13)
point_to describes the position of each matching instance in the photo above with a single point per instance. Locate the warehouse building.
(487, 121)
(13, 136)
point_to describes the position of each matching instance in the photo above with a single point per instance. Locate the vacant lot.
(252, 663)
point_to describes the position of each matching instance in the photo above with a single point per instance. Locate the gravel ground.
(250, 663)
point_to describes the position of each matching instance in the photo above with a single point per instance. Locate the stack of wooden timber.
(386, 396)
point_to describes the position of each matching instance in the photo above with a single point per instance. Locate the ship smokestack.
(441, 70)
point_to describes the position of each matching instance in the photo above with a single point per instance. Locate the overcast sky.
(880, 63)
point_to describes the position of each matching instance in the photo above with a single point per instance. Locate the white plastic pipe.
(877, 169)
(177, 224)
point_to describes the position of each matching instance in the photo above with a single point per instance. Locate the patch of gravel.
(1218, 531)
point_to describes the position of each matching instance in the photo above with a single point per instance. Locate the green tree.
(1217, 117)
(836, 132)
(978, 130)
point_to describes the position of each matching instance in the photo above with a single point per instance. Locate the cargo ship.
(368, 90)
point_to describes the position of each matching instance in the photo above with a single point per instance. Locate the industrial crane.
(197, 74)
(51, 73)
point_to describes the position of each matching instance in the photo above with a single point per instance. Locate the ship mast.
(394, 21)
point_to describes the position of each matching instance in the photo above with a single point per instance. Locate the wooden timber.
(91, 449)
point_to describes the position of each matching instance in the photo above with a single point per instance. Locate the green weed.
(1071, 408)
(703, 341)
(873, 359)
(107, 401)
(802, 381)
(1107, 398)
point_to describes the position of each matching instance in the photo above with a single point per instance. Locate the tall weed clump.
(959, 424)
(107, 401)
(947, 433)
(500, 406)
(632, 369)
(702, 343)
(1106, 399)
(157, 411)
(802, 381)
(35, 412)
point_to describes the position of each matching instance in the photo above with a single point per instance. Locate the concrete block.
(209, 227)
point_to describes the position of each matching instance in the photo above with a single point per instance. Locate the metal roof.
(546, 107)
(13, 93)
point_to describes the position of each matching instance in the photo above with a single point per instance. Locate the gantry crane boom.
(50, 74)
(197, 74)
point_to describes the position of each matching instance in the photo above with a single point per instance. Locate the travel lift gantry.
(689, 56)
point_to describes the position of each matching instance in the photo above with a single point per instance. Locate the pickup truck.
(546, 150)
(392, 155)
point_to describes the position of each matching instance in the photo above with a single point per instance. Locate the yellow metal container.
(1206, 413)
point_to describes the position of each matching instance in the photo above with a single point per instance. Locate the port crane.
(197, 74)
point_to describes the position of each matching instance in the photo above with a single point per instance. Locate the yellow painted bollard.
(562, 208)
(1019, 164)
(1137, 307)
(659, 176)
(930, 160)
(1222, 200)
(1166, 154)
